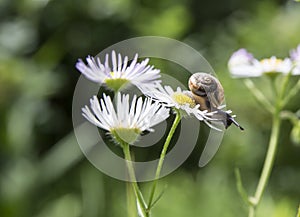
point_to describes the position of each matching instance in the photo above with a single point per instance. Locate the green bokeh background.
(42, 170)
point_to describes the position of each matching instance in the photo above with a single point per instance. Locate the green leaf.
(158, 197)
(240, 187)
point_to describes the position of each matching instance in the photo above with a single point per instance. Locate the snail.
(209, 93)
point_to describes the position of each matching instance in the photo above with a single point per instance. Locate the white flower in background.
(119, 73)
(295, 54)
(181, 100)
(275, 65)
(127, 121)
(295, 57)
(243, 64)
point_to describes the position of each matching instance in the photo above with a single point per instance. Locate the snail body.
(209, 93)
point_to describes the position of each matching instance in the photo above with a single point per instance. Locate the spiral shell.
(207, 87)
(207, 91)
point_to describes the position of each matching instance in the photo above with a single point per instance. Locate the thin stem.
(288, 115)
(268, 164)
(260, 97)
(135, 187)
(269, 161)
(162, 157)
(251, 211)
(285, 84)
(292, 93)
(270, 157)
(272, 80)
(131, 201)
(157, 198)
(240, 187)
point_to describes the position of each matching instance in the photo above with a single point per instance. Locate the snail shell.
(209, 93)
(207, 90)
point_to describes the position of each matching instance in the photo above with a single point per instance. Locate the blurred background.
(42, 170)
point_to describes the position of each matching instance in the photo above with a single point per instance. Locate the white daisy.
(295, 57)
(181, 100)
(119, 73)
(243, 64)
(127, 121)
(275, 65)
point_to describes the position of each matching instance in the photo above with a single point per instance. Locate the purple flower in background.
(243, 64)
(295, 54)
(295, 57)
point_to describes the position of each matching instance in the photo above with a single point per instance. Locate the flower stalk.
(272, 147)
(292, 93)
(162, 158)
(131, 201)
(268, 164)
(259, 96)
(139, 197)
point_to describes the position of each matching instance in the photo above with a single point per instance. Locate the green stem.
(268, 164)
(131, 201)
(260, 97)
(251, 211)
(137, 192)
(162, 157)
(288, 115)
(240, 187)
(269, 161)
(285, 84)
(291, 93)
(270, 157)
(272, 80)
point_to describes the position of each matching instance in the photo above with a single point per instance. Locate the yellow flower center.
(112, 74)
(271, 66)
(183, 99)
(271, 62)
